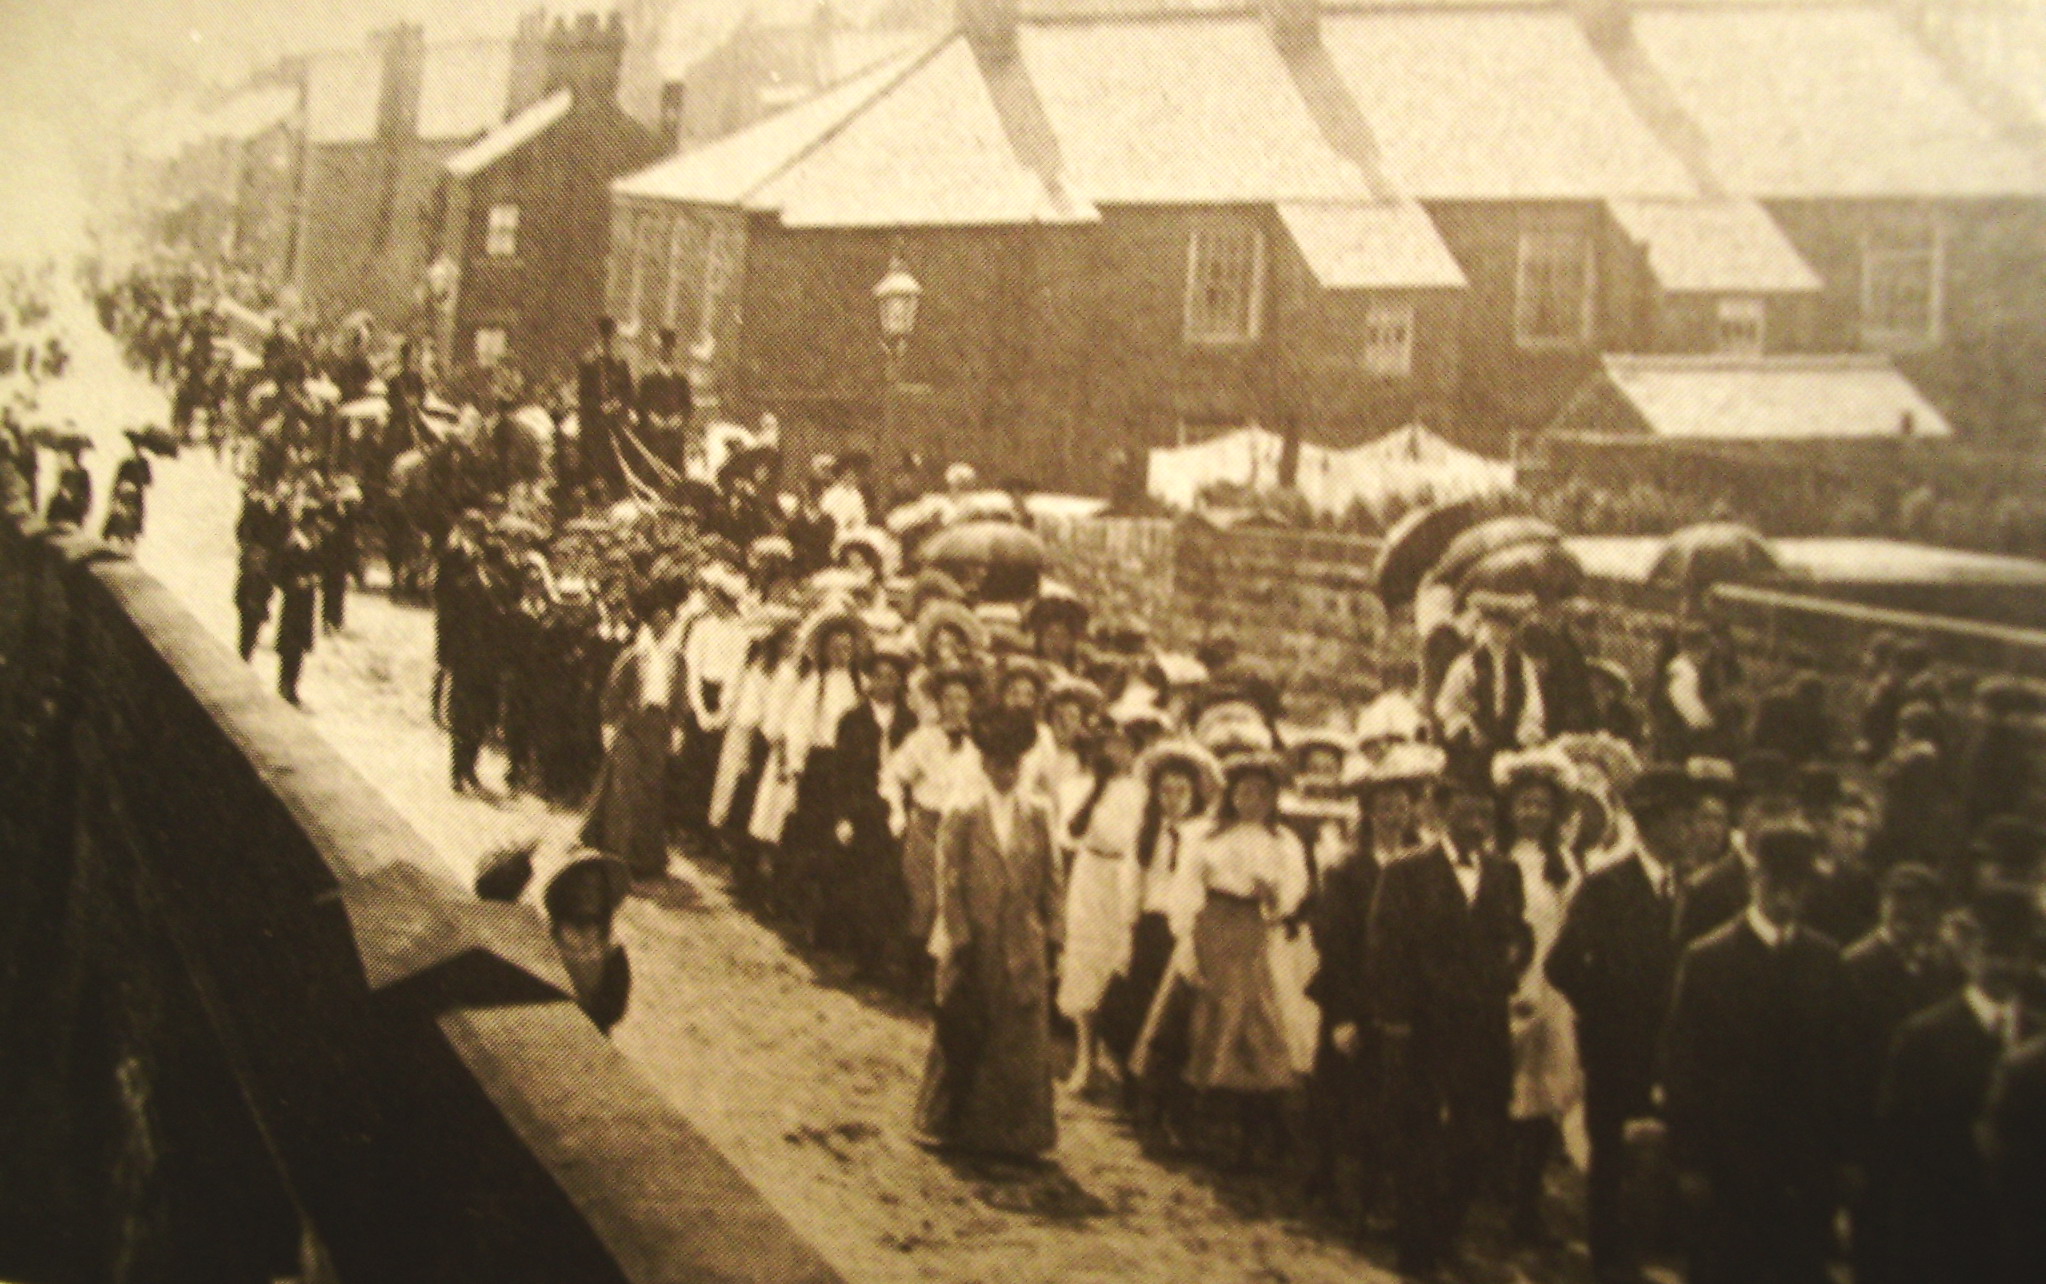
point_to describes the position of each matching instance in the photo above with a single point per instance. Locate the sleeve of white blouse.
(1292, 873)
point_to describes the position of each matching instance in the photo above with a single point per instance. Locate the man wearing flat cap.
(1752, 1063)
(1614, 959)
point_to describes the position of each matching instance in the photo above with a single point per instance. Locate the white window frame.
(1239, 318)
(501, 230)
(1389, 338)
(1534, 243)
(1881, 257)
(491, 344)
(1740, 325)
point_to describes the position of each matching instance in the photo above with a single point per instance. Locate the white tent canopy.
(1405, 467)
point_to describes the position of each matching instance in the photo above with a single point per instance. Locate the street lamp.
(896, 295)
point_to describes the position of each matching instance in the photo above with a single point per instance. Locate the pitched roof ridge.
(888, 85)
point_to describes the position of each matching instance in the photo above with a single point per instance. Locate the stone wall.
(252, 1036)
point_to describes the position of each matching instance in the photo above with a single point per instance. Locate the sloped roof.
(727, 171)
(1832, 100)
(1185, 111)
(1724, 398)
(1361, 245)
(511, 135)
(1715, 245)
(933, 151)
(1506, 103)
(463, 88)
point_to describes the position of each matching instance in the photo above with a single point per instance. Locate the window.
(1740, 326)
(1552, 290)
(501, 237)
(1389, 340)
(1225, 269)
(490, 346)
(1902, 286)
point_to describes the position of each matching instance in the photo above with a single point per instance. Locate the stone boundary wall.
(253, 1035)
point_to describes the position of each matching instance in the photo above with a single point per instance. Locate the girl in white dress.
(1534, 789)
(1099, 816)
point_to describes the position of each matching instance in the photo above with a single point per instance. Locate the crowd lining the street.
(1773, 981)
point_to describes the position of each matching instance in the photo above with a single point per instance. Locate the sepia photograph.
(1023, 642)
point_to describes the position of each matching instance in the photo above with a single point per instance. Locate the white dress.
(1099, 917)
(1548, 1082)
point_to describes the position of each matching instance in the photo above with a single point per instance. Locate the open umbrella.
(1697, 557)
(988, 544)
(1415, 543)
(1487, 538)
(1541, 567)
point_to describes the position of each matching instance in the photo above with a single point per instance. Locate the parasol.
(1697, 557)
(1481, 541)
(1541, 567)
(986, 543)
(1414, 544)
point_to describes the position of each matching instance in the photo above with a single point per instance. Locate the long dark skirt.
(625, 814)
(987, 1083)
(1128, 999)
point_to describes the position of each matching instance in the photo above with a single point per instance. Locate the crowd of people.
(1776, 987)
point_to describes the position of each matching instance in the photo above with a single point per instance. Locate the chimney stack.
(403, 47)
(584, 56)
(527, 83)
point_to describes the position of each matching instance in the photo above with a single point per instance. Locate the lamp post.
(896, 295)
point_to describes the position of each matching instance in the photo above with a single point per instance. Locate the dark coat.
(1885, 991)
(1941, 1219)
(2014, 1138)
(1444, 968)
(859, 743)
(1340, 923)
(1752, 1059)
(1712, 898)
(1615, 959)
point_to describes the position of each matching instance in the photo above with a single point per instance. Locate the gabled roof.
(728, 171)
(1724, 398)
(1715, 245)
(1495, 104)
(1362, 245)
(1186, 111)
(933, 151)
(511, 135)
(1827, 101)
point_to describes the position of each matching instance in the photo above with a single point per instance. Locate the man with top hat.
(1752, 1063)
(1941, 1224)
(1446, 943)
(603, 385)
(666, 403)
(1614, 959)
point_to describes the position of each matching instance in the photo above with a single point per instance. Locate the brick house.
(524, 212)
(1142, 224)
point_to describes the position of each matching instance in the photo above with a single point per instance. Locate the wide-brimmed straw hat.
(1408, 762)
(1180, 751)
(943, 613)
(1545, 764)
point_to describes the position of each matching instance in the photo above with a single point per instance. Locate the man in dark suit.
(666, 404)
(1615, 958)
(1445, 943)
(871, 890)
(2014, 1141)
(1751, 1070)
(603, 388)
(1896, 971)
(1941, 1226)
